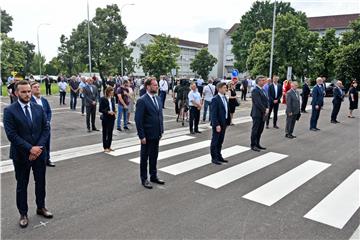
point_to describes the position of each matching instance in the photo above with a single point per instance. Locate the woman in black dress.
(108, 110)
(233, 102)
(353, 98)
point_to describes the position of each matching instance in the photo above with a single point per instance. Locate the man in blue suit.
(337, 99)
(259, 113)
(27, 129)
(37, 98)
(317, 102)
(220, 119)
(149, 125)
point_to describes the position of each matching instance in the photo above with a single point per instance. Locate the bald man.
(338, 97)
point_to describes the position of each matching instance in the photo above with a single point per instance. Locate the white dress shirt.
(23, 108)
(194, 96)
(163, 85)
(209, 92)
(38, 100)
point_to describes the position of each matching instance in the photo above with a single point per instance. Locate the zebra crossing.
(335, 210)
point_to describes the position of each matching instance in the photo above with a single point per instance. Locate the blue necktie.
(27, 113)
(157, 107)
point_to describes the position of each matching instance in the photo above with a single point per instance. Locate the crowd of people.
(27, 121)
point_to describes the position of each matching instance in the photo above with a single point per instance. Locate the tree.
(160, 56)
(259, 17)
(35, 66)
(107, 44)
(294, 46)
(6, 22)
(28, 49)
(203, 63)
(347, 57)
(324, 58)
(13, 57)
(53, 67)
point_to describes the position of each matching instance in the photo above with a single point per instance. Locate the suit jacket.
(88, 95)
(317, 96)
(260, 103)
(338, 95)
(22, 135)
(46, 107)
(218, 112)
(292, 102)
(272, 93)
(149, 118)
(305, 90)
(104, 107)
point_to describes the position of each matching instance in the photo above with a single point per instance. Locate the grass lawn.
(54, 89)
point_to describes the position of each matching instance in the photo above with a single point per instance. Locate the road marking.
(4, 146)
(177, 151)
(338, 206)
(191, 164)
(1, 124)
(71, 153)
(236, 172)
(123, 151)
(356, 234)
(273, 191)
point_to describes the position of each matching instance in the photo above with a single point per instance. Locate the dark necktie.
(27, 113)
(157, 107)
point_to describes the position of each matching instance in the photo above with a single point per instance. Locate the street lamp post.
(122, 57)
(38, 43)
(89, 42)
(272, 41)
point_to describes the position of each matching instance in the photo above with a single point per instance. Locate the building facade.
(188, 50)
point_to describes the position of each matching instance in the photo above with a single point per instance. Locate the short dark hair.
(220, 85)
(258, 78)
(108, 91)
(22, 82)
(34, 83)
(148, 82)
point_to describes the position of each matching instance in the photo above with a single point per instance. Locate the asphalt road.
(94, 195)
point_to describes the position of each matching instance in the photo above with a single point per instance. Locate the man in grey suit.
(292, 109)
(90, 95)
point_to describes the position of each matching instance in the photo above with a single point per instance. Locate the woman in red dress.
(286, 87)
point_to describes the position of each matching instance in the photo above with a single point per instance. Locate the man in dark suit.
(37, 98)
(27, 129)
(149, 125)
(244, 87)
(220, 119)
(47, 85)
(337, 99)
(317, 102)
(259, 113)
(90, 95)
(292, 109)
(305, 95)
(275, 94)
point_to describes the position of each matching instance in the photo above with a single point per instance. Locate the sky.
(185, 19)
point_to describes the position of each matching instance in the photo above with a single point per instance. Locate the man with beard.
(27, 129)
(150, 127)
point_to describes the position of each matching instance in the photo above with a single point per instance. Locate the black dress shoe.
(50, 164)
(24, 221)
(95, 129)
(276, 127)
(126, 128)
(44, 212)
(317, 129)
(223, 160)
(267, 127)
(313, 129)
(157, 181)
(192, 132)
(255, 149)
(261, 148)
(333, 122)
(147, 184)
(287, 136)
(88, 130)
(292, 136)
(337, 121)
(216, 162)
(119, 129)
(197, 131)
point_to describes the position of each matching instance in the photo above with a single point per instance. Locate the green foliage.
(6, 22)
(35, 66)
(294, 46)
(259, 17)
(107, 45)
(347, 58)
(13, 56)
(323, 62)
(203, 63)
(160, 56)
(53, 67)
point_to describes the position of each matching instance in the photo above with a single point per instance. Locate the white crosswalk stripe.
(273, 191)
(191, 164)
(136, 148)
(236, 172)
(337, 208)
(178, 151)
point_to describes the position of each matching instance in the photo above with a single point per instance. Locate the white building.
(188, 50)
